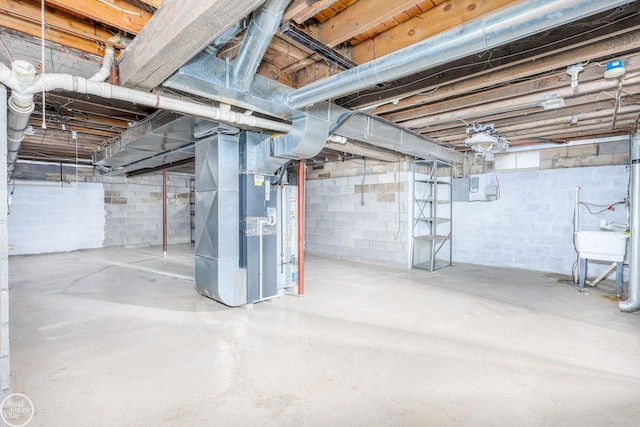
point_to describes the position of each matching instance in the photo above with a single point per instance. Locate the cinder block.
(582, 150)
(386, 198)
(618, 147)
(567, 162)
(602, 160)
(620, 159)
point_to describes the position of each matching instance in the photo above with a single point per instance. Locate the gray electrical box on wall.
(476, 188)
(460, 190)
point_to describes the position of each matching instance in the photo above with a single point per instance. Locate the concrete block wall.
(359, 213)
(102, 211)
(133, 209)
(47, 219)
(530, 226)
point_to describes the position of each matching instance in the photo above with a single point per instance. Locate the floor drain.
(278, 402)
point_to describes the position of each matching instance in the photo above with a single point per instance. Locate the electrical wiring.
(605, 207)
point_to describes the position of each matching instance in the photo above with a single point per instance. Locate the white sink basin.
(602, 245)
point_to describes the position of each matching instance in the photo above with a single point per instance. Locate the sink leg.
(619, 279)
(583, 273)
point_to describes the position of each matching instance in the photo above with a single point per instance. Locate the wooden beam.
(113, 13)
(301, 10)
(56, 36)
(57, 21)
(443, 17)
(178, 32)
(154, 3)
(360, 17)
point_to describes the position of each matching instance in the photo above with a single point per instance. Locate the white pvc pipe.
(107, 62)
(77, 84)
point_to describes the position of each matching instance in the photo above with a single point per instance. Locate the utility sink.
(602, 245)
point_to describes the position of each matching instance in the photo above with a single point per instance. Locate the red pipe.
(301, 196)
(164, 212)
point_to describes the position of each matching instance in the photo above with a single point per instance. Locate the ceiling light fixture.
(485, 141)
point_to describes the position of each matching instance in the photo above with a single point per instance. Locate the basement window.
(514, 161)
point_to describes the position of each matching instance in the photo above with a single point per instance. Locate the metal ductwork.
(206, 77)
(307, 137)
(216, 45)
(217, 252)
(505, 26)
(264, 24)
(633, 301)
(162, 138)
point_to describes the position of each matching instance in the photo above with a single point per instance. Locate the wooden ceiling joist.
(443, 17)
(58, 22)
(301, 10)
(522, 70)
(358, 18)
(55, 36)
(113, 13)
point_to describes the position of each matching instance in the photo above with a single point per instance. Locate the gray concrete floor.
(120, 338)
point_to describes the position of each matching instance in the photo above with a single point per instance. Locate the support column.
(633, 302)
(4, 252)
(301, 216)
(164, 212)
(217, 254)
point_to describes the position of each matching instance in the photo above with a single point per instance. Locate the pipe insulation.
(633, 302)
(507, 25)
(263, 26)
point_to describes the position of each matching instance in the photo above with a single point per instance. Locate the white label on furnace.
(258, 180)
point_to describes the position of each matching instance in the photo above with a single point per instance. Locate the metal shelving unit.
(432, 214)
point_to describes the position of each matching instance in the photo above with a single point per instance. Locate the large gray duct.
(633, 302)
(217, 252)
(513, 23)
(264, 24)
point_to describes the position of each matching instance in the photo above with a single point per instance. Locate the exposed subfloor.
(120, 338)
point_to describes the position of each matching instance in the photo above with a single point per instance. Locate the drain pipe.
(633, 302)
(263, 26)
(77, 84)
(107, 61)
(20, 107)
(499, 28)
